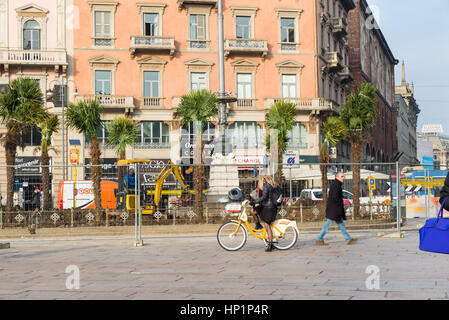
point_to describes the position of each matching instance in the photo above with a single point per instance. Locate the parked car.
(317, 195)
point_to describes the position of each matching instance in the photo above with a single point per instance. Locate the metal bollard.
(107, 217)
(71, 218)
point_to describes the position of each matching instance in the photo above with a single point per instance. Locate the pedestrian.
(269, 210)
(36, 199)
(335, 210)
(257, 207)
(130, 179)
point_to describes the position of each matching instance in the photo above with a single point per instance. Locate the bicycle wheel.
(231, 239)
(287, 241)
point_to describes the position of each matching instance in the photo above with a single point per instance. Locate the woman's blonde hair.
(267, 179)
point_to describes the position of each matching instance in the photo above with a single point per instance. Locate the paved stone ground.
(193, 267)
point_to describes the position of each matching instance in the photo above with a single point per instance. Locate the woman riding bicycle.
(269, 210)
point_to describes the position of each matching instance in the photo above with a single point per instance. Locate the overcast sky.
(418, 32)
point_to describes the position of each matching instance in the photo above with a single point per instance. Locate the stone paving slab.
(196, 268)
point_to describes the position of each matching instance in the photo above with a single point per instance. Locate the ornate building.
(371, 60)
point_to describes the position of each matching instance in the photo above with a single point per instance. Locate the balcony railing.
(305, 103)
(207, 2)
(339, 27)
(246, 46)
(150, 102)
(109, 101)
(152, 43)
(245, 104)
(334, 61)
(198, 44)
(33, 57)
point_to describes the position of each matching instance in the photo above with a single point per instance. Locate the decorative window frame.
(104, 63)
(152, 63)
(198, 9)
(245, 66)
(198, 65)
(289, 13)
(103, 6)
(157, 8)
(32, 12)
(246, 12)
(293, 68)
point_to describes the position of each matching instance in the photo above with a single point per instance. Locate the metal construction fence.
(163, 193)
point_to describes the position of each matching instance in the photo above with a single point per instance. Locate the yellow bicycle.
(232, 235)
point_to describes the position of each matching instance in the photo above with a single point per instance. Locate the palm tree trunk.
(45, 161)
(198, 176)
(278, 176)
(95, 154)
(324, 158)
(356, 157)
(10, 153)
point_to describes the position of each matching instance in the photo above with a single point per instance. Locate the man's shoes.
(269, 247)
(351, 241)
(258, 226)
(321, 243)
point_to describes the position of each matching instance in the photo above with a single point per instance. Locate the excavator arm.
(159, 181)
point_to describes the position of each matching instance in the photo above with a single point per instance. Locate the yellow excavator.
(158, 192)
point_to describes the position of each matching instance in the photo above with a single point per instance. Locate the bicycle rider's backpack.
(276, 196)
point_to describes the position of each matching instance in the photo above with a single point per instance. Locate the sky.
(418, 32)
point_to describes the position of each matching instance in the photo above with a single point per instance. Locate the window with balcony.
(198, 31)
(298, 136)
(151, 24)
(288, 33)
(244, 86)
(243, 27)
(245, 134)
(289, 86)
(103, 28)
(103, 82)
(31, 35)
(153, 134)
(198, 80)
(101, 132)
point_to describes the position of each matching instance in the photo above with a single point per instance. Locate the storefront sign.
(27, 165)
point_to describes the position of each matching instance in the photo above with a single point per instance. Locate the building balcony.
(334, 61)
(246, 46)
(345, 75)
(244, 104)
(339, 27)
(151, 103)
(33, 57)
(152, 43)
(181, 3)
(307, 104)
(110, 102)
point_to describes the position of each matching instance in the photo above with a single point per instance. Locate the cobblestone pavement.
(195, 267)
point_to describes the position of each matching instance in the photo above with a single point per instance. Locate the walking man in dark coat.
(335, 210)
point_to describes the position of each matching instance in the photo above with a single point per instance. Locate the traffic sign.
(372, 183)
(291, 161)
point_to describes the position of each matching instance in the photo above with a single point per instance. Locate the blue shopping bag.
(434, 235)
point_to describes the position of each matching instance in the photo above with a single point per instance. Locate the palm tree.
(359, 116)
(48, 127)
(281, 118)
(21, 106)
(122, 132)
(334, 130)
(85, 117)
(199, 107)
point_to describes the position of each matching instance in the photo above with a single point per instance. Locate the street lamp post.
(223, 97)
(50, 93)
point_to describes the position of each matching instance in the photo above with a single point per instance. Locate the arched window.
(298, 136)
(31, 35)
(245, 134)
